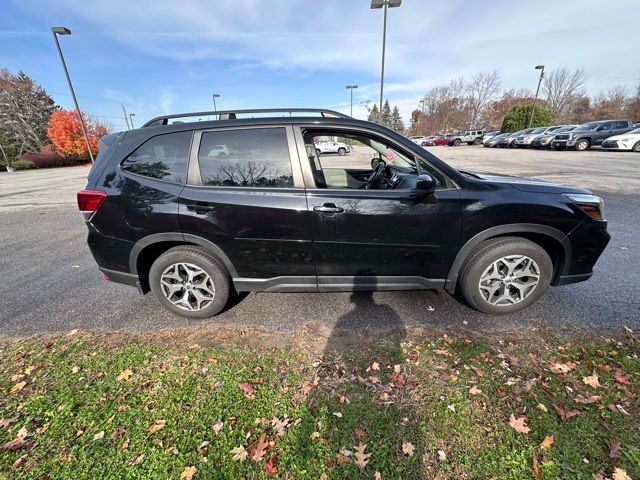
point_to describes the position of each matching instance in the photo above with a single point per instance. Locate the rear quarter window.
(163, 157)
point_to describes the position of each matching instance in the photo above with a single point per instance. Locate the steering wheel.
(376, 176)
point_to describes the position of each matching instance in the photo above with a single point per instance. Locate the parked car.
(220, 150)
(327, 146)
(418, 139)
(489, 135)
(423, 142)
(544, 140)
(492, 142)
(525, 140)
(591, 134)
(470, 137)
(626, 141)
(164, 216)
(437, 141)
(508, 140)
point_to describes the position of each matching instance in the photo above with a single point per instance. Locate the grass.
(98, 406)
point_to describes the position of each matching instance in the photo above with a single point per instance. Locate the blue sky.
(169, 56)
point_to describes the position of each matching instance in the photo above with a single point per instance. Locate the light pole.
(535, 99)
(350, 88)
(421, 102)
(131, 115)
(215, 109)
(384, 4)
(65, 31)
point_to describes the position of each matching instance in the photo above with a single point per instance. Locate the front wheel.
(582, 144)
(505, 275)
(190, 282)
(477, 141)
(636, 147)
(457, 142)
(342, 152)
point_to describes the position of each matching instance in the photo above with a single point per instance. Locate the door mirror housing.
(425, 186)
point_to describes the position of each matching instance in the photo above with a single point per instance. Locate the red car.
(434, 142)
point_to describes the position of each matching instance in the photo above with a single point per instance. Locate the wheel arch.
(147, 249)
(555, 243)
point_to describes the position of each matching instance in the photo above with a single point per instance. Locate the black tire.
(513, 144)
(200, 258)
(342, 152)
(457, 142)
(477, 141)
(491, 251)
(636, 146)
(469, 143)
(583, 144)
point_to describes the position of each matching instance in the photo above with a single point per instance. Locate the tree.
(25, 109)
(632, 110)
(518, 117)
(481, 90)
(496, 110)
(65, 132)
(385, 116)
(610, 105)
(396, 120)
(561, 88)
(374, 114)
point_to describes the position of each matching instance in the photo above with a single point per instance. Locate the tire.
(477, 141)
(636, 147)
(583, 144)
(342, 152)
(490, 255)
(457, 142)
(469, 143)
(318, 152)
(513, 145)
(191, 258)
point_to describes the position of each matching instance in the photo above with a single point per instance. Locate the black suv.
(591, 134)
(195, 212)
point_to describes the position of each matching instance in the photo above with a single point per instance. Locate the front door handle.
(328, 208)
(201, 208)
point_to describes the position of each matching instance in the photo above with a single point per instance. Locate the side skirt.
(336, 284)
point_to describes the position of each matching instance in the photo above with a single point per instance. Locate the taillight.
(89, 201)
(592, 205)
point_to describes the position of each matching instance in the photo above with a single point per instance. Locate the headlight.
(592, 205)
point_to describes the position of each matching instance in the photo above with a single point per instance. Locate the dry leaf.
(591, 380)
(519, 424)
(534, 468)
(18, 386)
(474, 390)
(547, 442)
(99, 435)
(621, 377)
(157, 425)
(29, 369)
(361, 458)
(136, 459)
(344, 399)
(269, 467)
(586, 400)
(360, 433)
(217, 427)
(314, 435)
(542, 407)
(563, 413)
(247, 389)
(239, 453)
(75, 369)
(620, 474)
(408, 448)
(258, 449)
(118, 432)
(279, 426)
(124, 375)
(562, 367)
(337, 414)
(377, 475)
(188, 473)
(442, 456)
(375, 366)
(614, 449)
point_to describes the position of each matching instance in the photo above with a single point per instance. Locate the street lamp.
(55, 31)
(421, 102)
(375, 4)
(533, 107)
(131, 115)
(350, 88)
(215, 109)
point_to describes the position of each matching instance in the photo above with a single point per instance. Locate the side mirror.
(425, 186)
(375, 162)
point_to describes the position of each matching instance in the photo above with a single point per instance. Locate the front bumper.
(563, 144)
(588, 241)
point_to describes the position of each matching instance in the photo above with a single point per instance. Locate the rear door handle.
(200, 208)
(328, 208)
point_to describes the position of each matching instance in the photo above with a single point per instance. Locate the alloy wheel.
(187, 286)
(509, 280)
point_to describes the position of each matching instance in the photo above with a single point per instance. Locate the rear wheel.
(582, 144)
(505, 275)
(341, 151)
(636, 147)
(190, 282)
(477, 141)
(457, 142)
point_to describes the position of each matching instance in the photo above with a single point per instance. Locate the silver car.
(329, 146)
(544, 140)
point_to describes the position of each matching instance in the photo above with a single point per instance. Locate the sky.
(170, 56)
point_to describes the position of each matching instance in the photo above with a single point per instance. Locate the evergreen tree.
(518, 117)
(396, 120)
(386, 115)
(374, 114)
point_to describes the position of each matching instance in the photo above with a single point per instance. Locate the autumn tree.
(65, 132)
(497, 109)
(25, 109)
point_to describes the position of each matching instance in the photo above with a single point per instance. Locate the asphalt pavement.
(50, 282)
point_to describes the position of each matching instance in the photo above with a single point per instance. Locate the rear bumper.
(569, 279)
(125, 278)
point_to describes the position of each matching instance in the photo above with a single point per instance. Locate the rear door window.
(252, 157)
(163, 157)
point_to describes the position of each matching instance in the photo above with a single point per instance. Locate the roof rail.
(229, 114)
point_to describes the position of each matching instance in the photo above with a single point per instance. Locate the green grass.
(72, 394)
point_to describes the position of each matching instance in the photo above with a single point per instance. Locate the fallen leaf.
(337, 414)
(118, 432)
(18, 386)
(122, 408)
(344, 399)
(157, 425)
(614, 448)
(360, 433)
(188, 473)
(588, 399)
(620, 474)
(202, 445)
(377, 475)
(18, 377)
(124, 375)
(547, 442)
(565, 414)
(591, 380)
(408, 449)
(342, 458)
(6, 422)
(20, 461)
(314, 435)
(258, 449)
(375, 366)
(621, 377)
(361, 458)
(519, 424)
(474, 390)
(99, 435)
(239, 453)
(75, 369)
(279, 426)
(534, 468)
(136, 459)
(218, 426)
(558, 368)
(542, 407)
(247, 389)
(269, 467)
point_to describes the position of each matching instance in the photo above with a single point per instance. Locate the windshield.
(587, 127)
(565, 129)
(636, 131)
(539, 130)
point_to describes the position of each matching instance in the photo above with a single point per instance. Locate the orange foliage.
(65, 133)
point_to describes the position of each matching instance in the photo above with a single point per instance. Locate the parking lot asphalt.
(50, 282)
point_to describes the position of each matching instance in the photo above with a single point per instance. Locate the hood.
(524, 184)
(622, 135)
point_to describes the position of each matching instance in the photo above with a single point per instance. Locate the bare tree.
(612, 104)
(632, 110)
(561, 87)
(481, 90)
